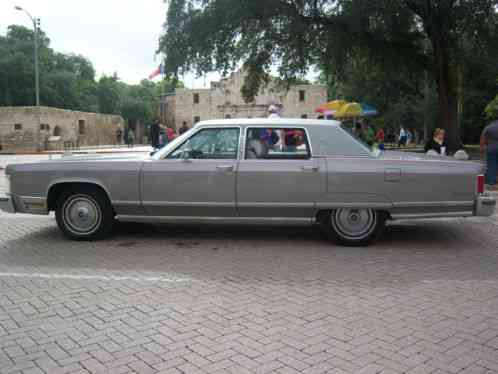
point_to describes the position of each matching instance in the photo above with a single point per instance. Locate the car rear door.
(284, 181)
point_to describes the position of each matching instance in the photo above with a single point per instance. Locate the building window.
(197, 119)
(81, 127)
(302, 95)
(196, 98)
(57, 131)
(44, 126)
(228, 116)
(18, 127)
(304, 116)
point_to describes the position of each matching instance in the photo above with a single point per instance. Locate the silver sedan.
(251, 171)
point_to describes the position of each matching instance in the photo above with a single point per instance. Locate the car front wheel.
(353, 227)
(84, 213)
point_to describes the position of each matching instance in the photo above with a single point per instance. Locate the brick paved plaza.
(260, 300)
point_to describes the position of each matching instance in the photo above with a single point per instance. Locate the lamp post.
(36, 24)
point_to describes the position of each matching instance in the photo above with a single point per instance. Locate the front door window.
(210, 144)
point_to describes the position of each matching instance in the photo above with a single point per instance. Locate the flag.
(155, 73)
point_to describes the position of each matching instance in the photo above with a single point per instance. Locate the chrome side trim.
(275, 205)
(126, 203)
(345, 157)
(434, 204)
(324, 205)
(189, 204)
(219, 220)
(432, 215)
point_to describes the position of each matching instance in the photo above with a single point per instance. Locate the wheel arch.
(57, 187)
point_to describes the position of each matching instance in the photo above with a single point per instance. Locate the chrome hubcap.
(354, 223)
(82, 215)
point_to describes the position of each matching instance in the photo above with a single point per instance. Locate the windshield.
(172, 145)
(371, 149)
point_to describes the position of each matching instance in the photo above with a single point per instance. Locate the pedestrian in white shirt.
(273, 110)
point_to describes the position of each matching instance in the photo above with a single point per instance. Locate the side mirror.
(186, 154)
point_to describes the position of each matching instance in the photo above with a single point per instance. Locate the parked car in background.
(227, 172)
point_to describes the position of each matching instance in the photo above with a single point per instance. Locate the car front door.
(278, 177)
(197, 179)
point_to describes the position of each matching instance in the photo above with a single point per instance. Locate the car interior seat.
(256, 148)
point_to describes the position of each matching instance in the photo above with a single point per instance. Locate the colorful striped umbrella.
(349, 110)
(331, 107)
(368, 110)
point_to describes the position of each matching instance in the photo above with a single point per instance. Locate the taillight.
(480, 184)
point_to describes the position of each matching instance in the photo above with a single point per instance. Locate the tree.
(108, 94)
(17, 65)
(293, 35)
(492, 108)
(67, 81)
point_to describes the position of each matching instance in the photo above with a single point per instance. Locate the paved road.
(260, 300)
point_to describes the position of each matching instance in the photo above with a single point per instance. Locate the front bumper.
(485, 205)
(7, 204)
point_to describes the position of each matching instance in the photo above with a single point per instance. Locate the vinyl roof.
(269, 122)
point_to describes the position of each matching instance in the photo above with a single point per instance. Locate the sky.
(116, 35)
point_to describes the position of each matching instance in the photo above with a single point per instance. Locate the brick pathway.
(164, 299)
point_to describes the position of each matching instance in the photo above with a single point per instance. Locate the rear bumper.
(7, 204)
(485, 205)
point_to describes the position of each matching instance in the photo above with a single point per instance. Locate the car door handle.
(225, 168)
(311, 168)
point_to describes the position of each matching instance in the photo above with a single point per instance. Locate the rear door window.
(276, 143)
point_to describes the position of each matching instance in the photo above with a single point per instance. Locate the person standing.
(119, 136)
(130, 141)
(170, 133)
(273, 112)
(437, 143)
(368, 133)
(409, 137)
(489, 145)
(402, 137)
(154, 134)
(380, 138)
(184, 128)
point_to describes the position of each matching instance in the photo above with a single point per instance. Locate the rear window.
(350, 130)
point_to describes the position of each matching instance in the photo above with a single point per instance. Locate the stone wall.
(224, 100)
(31, 129)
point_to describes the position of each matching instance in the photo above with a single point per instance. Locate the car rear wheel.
(84, 213)
(353, 227)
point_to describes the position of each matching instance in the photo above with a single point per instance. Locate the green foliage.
(68, 81)
(492, 109)
(405, 37)
(108, 93)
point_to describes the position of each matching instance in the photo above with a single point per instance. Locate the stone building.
(31, 129)
(224, 100)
